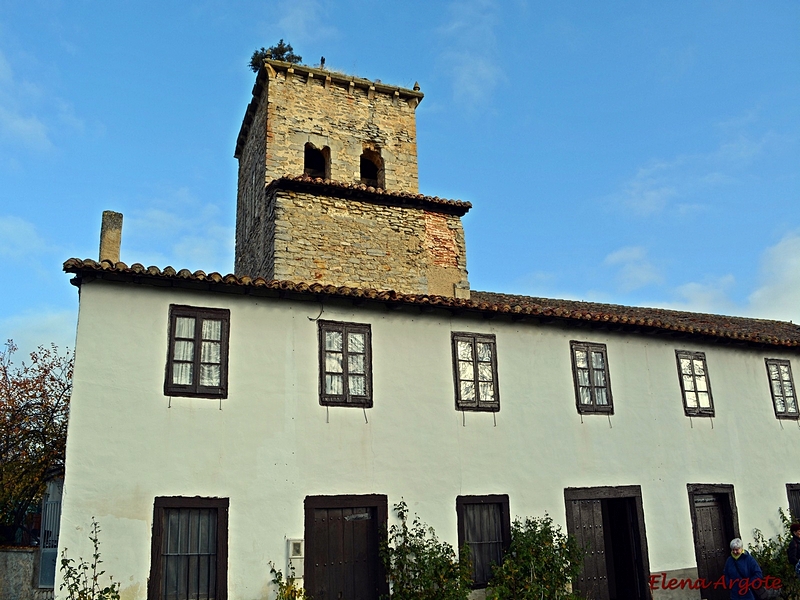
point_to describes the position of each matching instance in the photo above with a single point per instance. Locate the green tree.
(34, 404)
(539, 564)
(770, 553)
(419, 566)
(280, 51)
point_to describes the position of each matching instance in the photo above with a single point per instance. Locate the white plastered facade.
(270, 443)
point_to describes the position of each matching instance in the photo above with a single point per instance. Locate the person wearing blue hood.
(741, 572)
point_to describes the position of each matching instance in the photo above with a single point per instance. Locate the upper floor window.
(372, 168)
(591, 377)
(695, 385)
(475, 370)
(345, 359)
(781, 386)
(197, 360)
(484, 526)
(316, 163)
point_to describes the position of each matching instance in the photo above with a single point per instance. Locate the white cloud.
(304, 21)
(665, 184)
(35, 328)
(635, 270)
(18, 238)
(179, 230)
(778, 295)
(709, 296)
(16, 123)
(471, 55)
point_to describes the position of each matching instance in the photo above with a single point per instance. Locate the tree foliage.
(539, 564)
(280, 51)
(34, 403)
(419, 566)
(770, 553)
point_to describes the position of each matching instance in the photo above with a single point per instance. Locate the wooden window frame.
(195, 390)
(345, 399)
(695, 411)
(786, 414)
(505, 516)
(793, 488)
(155, 583)
(479, 405)
(593, 408)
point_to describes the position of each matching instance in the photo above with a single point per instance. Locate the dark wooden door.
(712, 537)
(342, 559)
(587, 527)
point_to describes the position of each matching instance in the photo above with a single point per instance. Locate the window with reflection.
(781, 385)
(197, 362)
(591, 377)
(345, 358)
(475, 371)
(695, 385)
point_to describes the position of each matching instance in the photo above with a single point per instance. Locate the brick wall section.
(354, 243)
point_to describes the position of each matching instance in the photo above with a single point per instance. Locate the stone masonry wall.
(360, 244)
(254, 227)
(347, 119)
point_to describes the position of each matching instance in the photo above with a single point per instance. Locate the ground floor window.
(484, 525)
(189, 555)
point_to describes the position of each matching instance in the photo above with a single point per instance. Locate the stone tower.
(328, 188)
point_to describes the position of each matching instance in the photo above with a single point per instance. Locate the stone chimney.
(110, 236)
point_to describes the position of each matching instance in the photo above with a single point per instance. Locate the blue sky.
(642, 153)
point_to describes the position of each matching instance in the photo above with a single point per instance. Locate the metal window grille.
(189, 554)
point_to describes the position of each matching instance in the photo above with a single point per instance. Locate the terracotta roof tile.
(328, 187)
(712, 327)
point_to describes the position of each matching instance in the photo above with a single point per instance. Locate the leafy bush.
(539, 564)
(288, 589)
(771, 556)
(82, 582)
(280, 51)
(419, 566)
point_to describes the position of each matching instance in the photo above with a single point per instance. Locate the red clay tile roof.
(656, 320)
(359, 191)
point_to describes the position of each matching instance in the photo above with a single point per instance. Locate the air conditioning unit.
(296, 549)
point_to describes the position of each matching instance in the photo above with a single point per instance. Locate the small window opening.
(315, 162)
(372, 168)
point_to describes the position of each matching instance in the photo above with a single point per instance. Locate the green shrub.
(288, 589)
(771, 556)
(82, 581)
(539, 564)
(419, 566)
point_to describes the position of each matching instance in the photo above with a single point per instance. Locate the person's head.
(736, 546)
(795, 529)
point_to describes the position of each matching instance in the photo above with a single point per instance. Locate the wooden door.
(587, 527)
(342, 558)
(712, 537)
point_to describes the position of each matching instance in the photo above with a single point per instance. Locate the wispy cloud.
(470, 58)
(303, 22)
(40, 327)
(634, 268)
(19, 239)
(778, 293)
(17, 124)
(179, 230)
(676, 183)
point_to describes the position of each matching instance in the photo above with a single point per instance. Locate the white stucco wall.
(271, 445)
